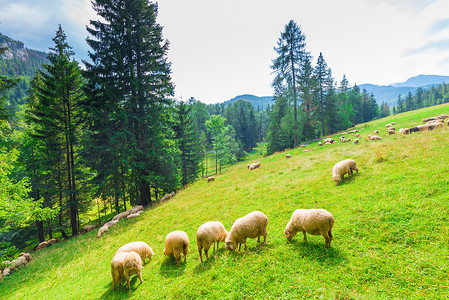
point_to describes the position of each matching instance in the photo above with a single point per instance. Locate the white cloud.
(220, 49)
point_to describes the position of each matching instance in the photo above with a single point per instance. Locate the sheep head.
(230, 246)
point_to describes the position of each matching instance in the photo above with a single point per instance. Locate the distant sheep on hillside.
(342, 168)
(211, 178)
(288, 156)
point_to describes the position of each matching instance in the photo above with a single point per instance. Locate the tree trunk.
(145, 197)
(40, 231)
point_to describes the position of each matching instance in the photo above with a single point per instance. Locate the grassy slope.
(391, 230)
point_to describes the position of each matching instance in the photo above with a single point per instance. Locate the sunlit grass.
(391, 232)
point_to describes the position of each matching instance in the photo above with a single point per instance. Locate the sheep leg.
(218, 245)
(178, 259)
(240, 246)
(205, 251)
(139, 274)
(327, 240)
(265, 238)
(258, 239)
(305, 237)
(201, 254)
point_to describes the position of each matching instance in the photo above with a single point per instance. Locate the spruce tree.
(287, 67)
(129, 85)
(188, 143)
(55, 115)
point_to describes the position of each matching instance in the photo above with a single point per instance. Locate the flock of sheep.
(129, 258)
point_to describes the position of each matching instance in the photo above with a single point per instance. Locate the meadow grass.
(391, 230)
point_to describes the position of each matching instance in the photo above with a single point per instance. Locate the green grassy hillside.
(391, 230)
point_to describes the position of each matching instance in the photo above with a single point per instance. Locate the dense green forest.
(79, 144)
(423, 98)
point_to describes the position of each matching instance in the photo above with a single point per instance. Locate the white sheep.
(303, 146)
(111, 223)
(88, 228)
(132, 216)
(393, 123)
(311, 221)
(41, 246)
(320, 144)
(210, 233)
(122, 215)
(422, 127)
(356, 141)
(102, 230)
(132, 265)
(253, 225)
(51, 242)
(140, 248)
(117, 268)
(288, 156)
(376, 132)
(390, 132)
(177, 242)
(375, 138)
(254, 166)
(211, 178)
(27, 256)
(342, 168)
(135, 209)
(357, 135)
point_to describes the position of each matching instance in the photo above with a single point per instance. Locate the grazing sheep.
(390, 132)
(404, 131)
(177, 242)
(391, 128)
(303, 146)
(288, 156)
(328, 143)
(132, 264)
(428, 119)
(27, 256)
(140, 248)
(122, 215)
(51, 242)
(167, 197)
(135, 209)
(393, 123)
(88, 228)
(443, 116)
(102, 230)
(211, 178)
(6, 272)
(307, 150)
(132, 216)
(414, 129)
(357, 135)
(376, 132)
(253, 225)
(41, 246)
(375, 138)
(356, 141)
(353, 131)
(348, 140)
(210, 233)
(447, 123)
(342, 168)
(342, 139)
(254, 166)
(388, 125)
(422, 127)
(117, 268)
(111, 223)
(20, 261)
(311, 221)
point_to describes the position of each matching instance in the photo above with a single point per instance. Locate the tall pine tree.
(287, 67)
(129, 85)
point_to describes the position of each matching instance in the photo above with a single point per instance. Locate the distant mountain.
(390, 93)
(19, 62)
(423, 80)
(261, 102)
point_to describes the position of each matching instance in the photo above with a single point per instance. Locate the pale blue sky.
(220, 49)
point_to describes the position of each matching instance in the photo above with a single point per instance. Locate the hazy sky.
(221, 49)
